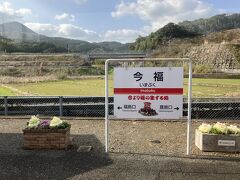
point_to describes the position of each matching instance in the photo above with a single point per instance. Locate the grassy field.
(214, 87)
(95, 87)
(89, 87)
(6, 92)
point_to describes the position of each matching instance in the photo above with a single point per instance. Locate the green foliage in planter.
(62, 126)
(216, 131)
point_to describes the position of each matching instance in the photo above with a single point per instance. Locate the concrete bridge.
(116, 55)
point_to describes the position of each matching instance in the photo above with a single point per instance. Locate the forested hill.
(213, 24)
(162, 37)
(189, 30)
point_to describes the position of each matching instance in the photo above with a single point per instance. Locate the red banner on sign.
(148, 91)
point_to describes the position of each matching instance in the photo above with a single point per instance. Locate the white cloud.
(46, 29)
(24, 11)
(8, 13)
(65, 16)
(80, 1)
(5, 7)
(161, 12)
(122, 35)
(76, 32)
(64, 30)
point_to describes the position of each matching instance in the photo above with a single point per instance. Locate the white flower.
(233, 129)
(221, 127)
(33, 122)
(55, 122)
(205, 128)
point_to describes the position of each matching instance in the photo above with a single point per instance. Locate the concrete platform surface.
(74, 165)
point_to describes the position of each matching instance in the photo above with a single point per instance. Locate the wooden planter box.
(215, 142)
(46, 138)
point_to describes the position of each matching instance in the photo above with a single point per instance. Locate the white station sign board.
(148, 93)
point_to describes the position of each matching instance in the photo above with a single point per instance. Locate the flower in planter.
(55, 122)
(205, 128)
(233, 129)
(44, 124)
(219, 128)
(58, 123)
(33, 122)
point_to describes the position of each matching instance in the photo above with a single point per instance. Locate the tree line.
(9, 46)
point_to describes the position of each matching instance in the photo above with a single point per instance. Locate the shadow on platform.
(16, 163)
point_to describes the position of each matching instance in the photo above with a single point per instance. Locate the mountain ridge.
(190, 31)
(194, 31)
(20, 33)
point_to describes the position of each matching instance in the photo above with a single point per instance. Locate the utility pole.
(68, 50)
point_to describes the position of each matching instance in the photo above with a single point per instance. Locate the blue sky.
(108, 20)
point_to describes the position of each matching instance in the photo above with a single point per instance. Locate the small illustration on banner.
(147, 110)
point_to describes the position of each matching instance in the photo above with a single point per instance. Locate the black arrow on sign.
(119, 107)
(177, 108)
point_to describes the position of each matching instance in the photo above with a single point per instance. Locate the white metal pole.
(189, 108)
(106, 106)
(146, 59)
